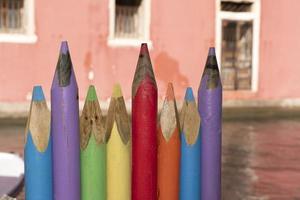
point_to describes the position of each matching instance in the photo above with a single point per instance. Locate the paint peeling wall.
(181, 32)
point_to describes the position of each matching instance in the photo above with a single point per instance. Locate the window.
(129, 22)
(11, 15)
(17, 21)
(237, 42)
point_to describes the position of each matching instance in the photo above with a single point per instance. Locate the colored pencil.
(190, 172)
(92, 149)
(210, 108)
(144, 140)
(118, 148)
(65, 129)
(38, 149)
(168, 149)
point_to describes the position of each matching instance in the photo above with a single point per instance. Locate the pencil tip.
(91, 94)
(38, 94)
(189, 96)
(143, 69)
(170, 92)
(64, 47)
(117, 92)
(64, 65)
(211, 61)
(144, 49)
(211, 51)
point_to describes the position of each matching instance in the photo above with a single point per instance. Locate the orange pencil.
(168, 149)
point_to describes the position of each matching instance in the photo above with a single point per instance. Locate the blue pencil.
(38, 152)
(190, 173)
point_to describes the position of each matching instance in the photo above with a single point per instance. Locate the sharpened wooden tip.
(117, 92)
(91, 94)
(190, 118)
(91, 120)
(38, 122)
(117, 113)
(169, 117)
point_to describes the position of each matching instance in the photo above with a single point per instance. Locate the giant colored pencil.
(210, 108)
(92, 149)
(168, 149)
(118, 149)
(144, 116)
(38, 152)
(65, 129)
(190, 172)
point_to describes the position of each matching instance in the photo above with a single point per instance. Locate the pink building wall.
(181, 33)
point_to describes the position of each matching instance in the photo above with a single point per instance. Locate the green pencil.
(92, 149)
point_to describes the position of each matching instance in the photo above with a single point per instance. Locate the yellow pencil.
(118, 148)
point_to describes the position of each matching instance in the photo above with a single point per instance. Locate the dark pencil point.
(64, 48)
(143, 69)
(64, 65)
(211, 61)
(211, 51)
(212, 70)
(144, 49)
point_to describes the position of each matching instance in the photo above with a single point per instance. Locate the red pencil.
(144, 143)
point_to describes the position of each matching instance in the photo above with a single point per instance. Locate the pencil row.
(177, 156)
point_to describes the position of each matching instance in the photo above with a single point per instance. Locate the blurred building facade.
(257, 43)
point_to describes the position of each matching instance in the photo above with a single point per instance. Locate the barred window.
(11, 16)
(128, 19)
(237, 54)
(129, 22)
(238, 26)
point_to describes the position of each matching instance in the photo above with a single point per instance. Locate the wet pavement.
(261, 159)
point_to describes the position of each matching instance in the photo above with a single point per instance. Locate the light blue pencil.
(190, 172)
(38, 152)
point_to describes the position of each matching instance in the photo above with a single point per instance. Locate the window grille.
(238, 43)
(128, 19)
(237, 54)
(231, 6)
(11, 14)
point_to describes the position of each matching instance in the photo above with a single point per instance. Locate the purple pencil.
(210, 108)
(65, 129)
